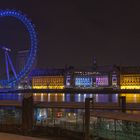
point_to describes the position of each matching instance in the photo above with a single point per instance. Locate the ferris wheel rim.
(33, 45)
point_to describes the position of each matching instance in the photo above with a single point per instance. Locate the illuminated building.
(108, 76)
(130, 81)
(47, 79)
(115, 79)
(80, 78)
(101, 76)
(102, 80)
(48, 82)
(83, 81)
(130, 78)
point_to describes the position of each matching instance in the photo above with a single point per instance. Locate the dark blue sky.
(71, 32)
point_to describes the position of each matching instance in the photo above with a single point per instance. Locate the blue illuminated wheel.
(33, 46)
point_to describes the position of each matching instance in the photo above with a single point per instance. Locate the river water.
(68, 97)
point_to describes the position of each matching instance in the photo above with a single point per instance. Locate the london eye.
(12, 77)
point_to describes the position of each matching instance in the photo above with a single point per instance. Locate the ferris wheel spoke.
(7, 67)
(11, 64)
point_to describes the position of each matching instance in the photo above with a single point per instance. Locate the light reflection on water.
(10, 96)
(69, 97)
(132, 98)
(61, 97)
(102, 98)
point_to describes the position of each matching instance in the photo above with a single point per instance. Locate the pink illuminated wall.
(102, 80)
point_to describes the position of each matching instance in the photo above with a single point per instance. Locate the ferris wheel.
(13, 77)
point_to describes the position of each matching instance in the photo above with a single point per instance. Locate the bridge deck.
(72, 105)
(10, 103)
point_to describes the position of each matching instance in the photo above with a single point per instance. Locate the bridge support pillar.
(88, 102)
(122, 103)
(27, 112)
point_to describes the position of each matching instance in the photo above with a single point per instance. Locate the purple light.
(102, 81)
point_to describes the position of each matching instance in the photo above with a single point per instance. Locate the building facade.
(75, 78)
(103, 76)
(130, 77)
(47, 79)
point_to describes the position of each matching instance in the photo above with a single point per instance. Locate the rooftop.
(47, 72)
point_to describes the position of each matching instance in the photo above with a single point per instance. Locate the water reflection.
(53, 97)
(80, 97)
(10, 96)
(68, 97)
(132, 98)
(77, 97)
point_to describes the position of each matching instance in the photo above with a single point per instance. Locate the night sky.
(72, 32)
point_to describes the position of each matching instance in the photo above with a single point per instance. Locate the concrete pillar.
(87, 116)
(27, 112)
(122, 103)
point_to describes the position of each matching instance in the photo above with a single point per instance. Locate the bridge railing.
(114, 129)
